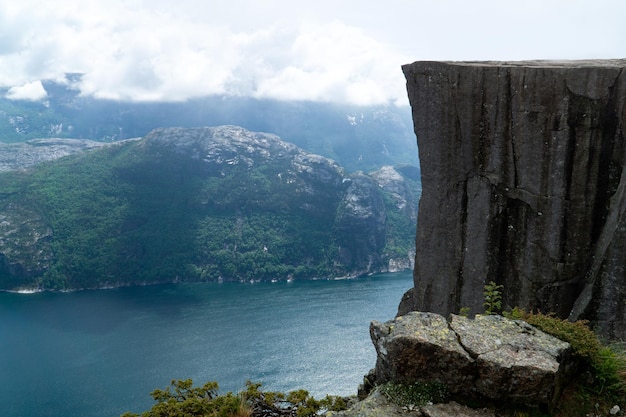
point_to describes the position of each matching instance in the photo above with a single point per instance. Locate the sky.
(343, 51)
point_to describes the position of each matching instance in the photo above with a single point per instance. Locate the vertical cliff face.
(523, 184)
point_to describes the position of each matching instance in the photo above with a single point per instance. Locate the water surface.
(100, 353)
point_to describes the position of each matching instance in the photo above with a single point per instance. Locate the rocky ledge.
(488, 360)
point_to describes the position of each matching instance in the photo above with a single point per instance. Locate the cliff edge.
(523, 183)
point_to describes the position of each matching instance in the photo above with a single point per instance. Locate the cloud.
(349, 51)
(154, 54)
(333, 62)
(33, 91)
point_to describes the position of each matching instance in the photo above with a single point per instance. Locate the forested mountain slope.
(208, 204)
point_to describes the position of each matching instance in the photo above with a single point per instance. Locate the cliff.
(203, 204)
(523, 183)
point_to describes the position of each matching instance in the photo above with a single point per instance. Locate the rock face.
(487, 358)
(523, 184)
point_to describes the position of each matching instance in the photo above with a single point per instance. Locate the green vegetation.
(398, 223)
(183, 400)
(601, 377)
(605, 364)
(416, 394)
(133, 214)
(493, 298)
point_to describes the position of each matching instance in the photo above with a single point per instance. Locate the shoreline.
(29, 291)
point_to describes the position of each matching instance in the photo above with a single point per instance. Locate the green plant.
(464, 311)
(583, 340)
(610, 371)
(606, 363)
(515, 314)
(296, 403)
(181, 399)
(415, 394)
(493, 298)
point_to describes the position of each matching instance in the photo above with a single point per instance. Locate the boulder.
(488, 358)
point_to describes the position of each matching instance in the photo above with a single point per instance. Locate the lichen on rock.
(488, 358)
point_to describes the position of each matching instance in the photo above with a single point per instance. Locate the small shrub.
(606, 363)
(181, 399)
(299, 402)
(610, 371)
(583, 340)
(515, 314)
(493, 298)
(416, 394)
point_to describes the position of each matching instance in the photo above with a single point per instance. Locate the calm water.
(100, 353)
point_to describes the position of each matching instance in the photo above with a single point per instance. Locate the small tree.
(493, 298)
(183, 400)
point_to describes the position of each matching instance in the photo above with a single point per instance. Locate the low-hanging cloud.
(33, 91)
(144, 54)
(349, 51)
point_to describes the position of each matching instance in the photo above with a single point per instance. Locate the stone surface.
(453, 409)
(514, 360)
(18, 156)
(487, 358)
(420, 347)
(377, 405)
(523, 183)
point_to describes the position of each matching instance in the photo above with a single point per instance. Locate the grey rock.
(390, 180)
(514, 360)
(377, 405)
(486, 358)
(20, 156)
(523, 183)
(454, 409)
(420, 347)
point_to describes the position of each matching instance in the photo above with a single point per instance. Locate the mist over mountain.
(357, 137)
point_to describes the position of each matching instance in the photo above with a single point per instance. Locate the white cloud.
(33, 91)
(334, 62)
(325, 50)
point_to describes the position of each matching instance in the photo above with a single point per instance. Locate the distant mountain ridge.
(357, 137)
(202, 204)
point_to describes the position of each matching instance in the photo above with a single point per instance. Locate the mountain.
(199, 204)
(357, 137)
